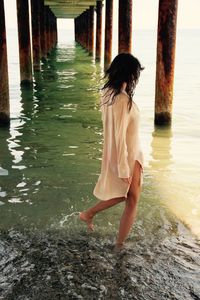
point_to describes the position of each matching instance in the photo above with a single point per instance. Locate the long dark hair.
(124, 68)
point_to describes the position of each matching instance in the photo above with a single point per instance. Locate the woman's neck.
(124, 86)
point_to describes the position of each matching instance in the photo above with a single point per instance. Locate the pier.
(44, 35)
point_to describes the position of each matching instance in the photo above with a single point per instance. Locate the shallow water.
(50, 161)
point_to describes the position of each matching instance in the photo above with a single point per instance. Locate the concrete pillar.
(125, 26)
(91, 30)
(108, 32)
(24, 42)
(166, 42)
(4, 91)
(35, 17)
(99, 29)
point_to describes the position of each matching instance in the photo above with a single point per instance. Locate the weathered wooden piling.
(85, 27)
(35, 17)
(47, 30)
(4, 91)
(55, 30)
(24, 42)
(125, 26)
(166, 41)
(76, 28)
(98, 29)
(81, 30)
(51, 18)
(108, 32)
(91, 30)
(42, 30)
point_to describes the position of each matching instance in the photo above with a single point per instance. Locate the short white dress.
(121, 146)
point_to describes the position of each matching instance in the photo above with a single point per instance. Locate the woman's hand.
(127, 180)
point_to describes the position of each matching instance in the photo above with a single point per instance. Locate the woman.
(122, 158)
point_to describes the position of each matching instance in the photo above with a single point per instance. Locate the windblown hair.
(124, 68)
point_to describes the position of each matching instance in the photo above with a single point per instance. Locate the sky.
(145, 14)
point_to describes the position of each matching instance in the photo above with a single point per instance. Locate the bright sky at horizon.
(145, 13)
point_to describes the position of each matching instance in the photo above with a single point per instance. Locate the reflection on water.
(178, 195)
(51, 143)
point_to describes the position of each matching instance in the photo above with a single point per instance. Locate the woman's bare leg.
(129, 213)
(88, 215)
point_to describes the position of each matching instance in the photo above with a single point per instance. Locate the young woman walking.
(122, 158)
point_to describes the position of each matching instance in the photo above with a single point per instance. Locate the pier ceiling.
(69, 8)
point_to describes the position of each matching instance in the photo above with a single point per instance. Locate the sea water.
(51, 155)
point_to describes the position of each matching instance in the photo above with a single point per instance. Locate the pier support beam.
(81, 30)
(166, 41)
(75, 29)
(4, 91)
(108, 32)
(55, 31)
(35, 17)
(85, 28)
(51, 19)
(98, 29)
(125, 26)
(56, 23)
(91, 30)
(24, 42)
(42, 30)
(47, 29)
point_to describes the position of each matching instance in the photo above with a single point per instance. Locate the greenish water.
(50, 160)
(50, 156)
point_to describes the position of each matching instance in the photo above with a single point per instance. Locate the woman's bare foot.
(118, 247)
(83, 216)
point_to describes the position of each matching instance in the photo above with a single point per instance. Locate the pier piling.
(4, 90)
(35, 17)
(47, 29)
(125, 26)
(44, 16)
(24, 42)
(166, 41)
(98, 29)
(91, 30)
(85, 30)
(108, 32)
(42, 30)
